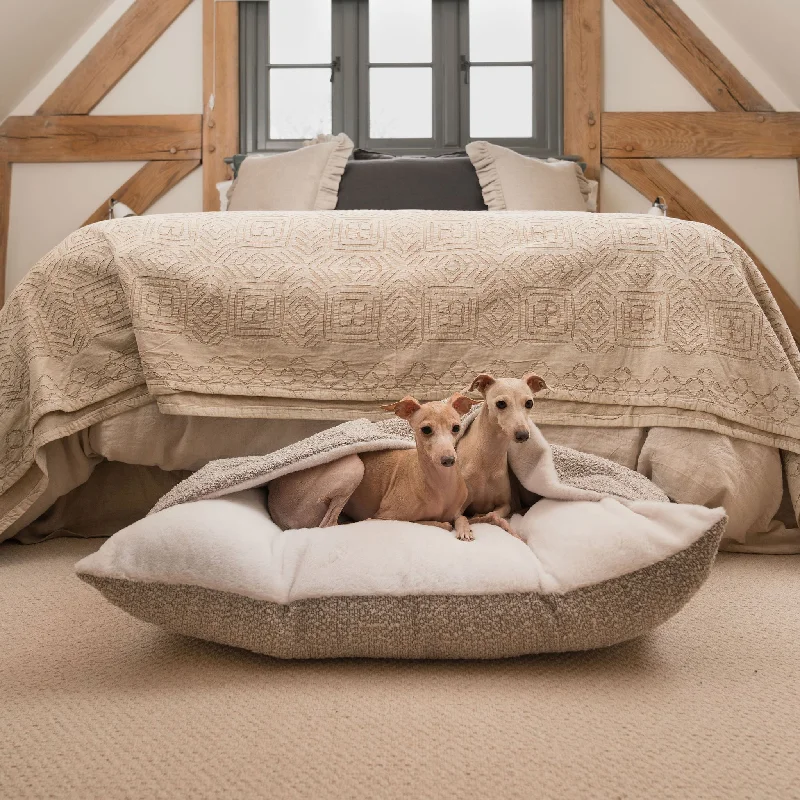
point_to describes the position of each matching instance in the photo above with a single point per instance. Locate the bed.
(145, 347)
(140, 349)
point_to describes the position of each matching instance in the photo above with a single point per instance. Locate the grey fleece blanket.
(552, 471)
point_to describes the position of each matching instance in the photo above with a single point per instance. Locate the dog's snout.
(522, 435)
(448, 461)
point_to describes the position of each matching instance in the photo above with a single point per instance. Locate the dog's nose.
(522, 436)
(448, 461)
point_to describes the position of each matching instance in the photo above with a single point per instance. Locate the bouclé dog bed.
(607, 557)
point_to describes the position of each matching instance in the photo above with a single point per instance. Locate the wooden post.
(701, 134)
(220, 82)
(80, 137)
(583, 80)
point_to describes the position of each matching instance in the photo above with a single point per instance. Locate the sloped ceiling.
(770, 31)
(34, 34)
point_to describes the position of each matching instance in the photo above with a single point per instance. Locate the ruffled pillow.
(301, 180)
(513, 182)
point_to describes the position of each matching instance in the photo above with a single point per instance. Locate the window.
(410, 76)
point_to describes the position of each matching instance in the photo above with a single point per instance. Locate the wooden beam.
(651, 178)
(124, 44)
(583, 77)
(96, 138)
(220, 81)
(5, 205)
(694, 55)
(705, 134)
(152, 181)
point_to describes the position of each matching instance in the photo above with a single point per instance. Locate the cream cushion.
(513, 182)
(590, 574)
(301, 180)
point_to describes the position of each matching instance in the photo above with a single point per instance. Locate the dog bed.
(607, 558)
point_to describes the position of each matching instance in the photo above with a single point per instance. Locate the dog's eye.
(529, 404)
(427, 430)
(456, 428)
(501, 403)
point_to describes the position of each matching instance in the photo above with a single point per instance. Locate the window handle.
(465, 68)
(336, 66)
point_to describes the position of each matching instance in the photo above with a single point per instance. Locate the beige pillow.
(301, 180)
(512, 182)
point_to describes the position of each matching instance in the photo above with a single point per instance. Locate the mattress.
(149, 453)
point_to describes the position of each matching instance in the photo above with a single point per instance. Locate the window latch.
(336, 66)
(465, 68)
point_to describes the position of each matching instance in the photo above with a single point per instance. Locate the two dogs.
(449, 480)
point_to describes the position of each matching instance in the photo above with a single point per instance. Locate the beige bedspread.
(633, 321)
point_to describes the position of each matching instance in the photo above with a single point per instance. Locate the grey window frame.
(450, 66)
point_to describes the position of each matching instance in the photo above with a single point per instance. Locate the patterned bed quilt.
(632, 321)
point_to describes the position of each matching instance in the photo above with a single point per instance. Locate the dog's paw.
(508, 529)
(505, 525)
(465, 535)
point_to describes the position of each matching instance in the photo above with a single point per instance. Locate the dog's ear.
(462, 403)
(535, 383)
(404, 408)
(481, 383)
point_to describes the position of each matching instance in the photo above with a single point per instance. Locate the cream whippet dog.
(420, 485)
(503, 422)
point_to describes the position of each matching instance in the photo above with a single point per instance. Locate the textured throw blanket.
(557, 473)
(632, 320)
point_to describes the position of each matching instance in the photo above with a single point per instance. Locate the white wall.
(758, 198)
(769, 30)
(49, 201)
(32, 36)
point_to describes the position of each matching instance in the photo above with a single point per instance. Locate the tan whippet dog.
(502, 422)
(420, 485)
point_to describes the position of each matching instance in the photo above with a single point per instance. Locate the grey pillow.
(447, 183)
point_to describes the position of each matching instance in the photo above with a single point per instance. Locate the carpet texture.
(94, 704)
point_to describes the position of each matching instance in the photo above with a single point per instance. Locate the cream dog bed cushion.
(591, 574)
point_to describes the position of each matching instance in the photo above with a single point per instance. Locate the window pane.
(500, 102)
(300, 31)
(500, 30)
(299, 103)
(399, 31)
(400, 103)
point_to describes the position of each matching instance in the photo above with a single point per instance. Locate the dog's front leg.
(463, 529)
(434, 523)
(497, 517)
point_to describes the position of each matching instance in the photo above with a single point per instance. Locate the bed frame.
(743, 125)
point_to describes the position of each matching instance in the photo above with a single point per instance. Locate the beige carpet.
(94, 704)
